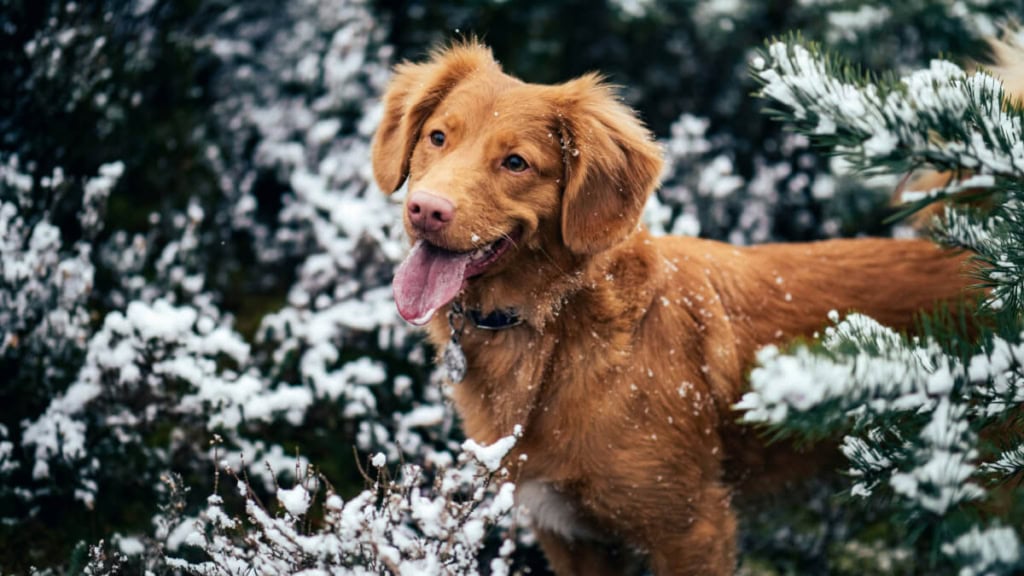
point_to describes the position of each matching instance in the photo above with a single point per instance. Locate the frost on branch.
(998, 372)
(995, 550)
(128, 384)
(911, 413)
(422, 522)
(919, 415)
(940, 116)
(998, 241)
(45, 283)
(867, 373)
(335, 333)
(865, 366)
(1009, 464)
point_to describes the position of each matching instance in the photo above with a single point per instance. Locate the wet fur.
(634, 348)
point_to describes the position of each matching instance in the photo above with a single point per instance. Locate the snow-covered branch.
(940, 117)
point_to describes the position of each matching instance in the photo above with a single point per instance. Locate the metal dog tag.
(454, 361)
(453, 358)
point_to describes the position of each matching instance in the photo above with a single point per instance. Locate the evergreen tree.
(930, 423)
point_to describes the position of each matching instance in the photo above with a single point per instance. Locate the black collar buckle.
(495, 321)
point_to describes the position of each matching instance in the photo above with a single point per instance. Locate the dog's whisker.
(510, 239)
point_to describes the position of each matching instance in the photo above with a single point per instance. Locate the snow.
(295, 500)
(877, 371)
(324, 131)
(410, 530)
(54, 436)
(990, 550)
(931, 99)
(848, 25)
(974, 182)
(717, 179)
(130, 545)
(95, 194)
(792, 386)
(181, 533)
(222, 340)
(162, 321)
(941, 481)
(491, 456)
(423, 416)
(704, 193)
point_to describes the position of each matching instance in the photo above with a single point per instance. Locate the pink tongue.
(428, 279)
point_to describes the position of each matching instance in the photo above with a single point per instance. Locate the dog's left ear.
(612, 164)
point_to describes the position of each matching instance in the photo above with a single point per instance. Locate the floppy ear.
(611, 166)
(415, 91)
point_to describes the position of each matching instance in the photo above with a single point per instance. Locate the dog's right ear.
(415, 91)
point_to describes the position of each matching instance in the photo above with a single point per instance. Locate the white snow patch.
(295, 500)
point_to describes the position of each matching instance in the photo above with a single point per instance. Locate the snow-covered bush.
(143, 368)
(46, 281)
(405, 525)
(120, 330)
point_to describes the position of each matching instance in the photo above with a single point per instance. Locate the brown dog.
(621, 355)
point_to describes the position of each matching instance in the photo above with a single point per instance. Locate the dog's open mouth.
(431, 276)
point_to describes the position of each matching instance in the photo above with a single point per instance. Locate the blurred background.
(196, 262)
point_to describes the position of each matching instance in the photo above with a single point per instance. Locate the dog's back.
(775, 293)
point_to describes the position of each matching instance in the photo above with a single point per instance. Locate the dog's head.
(498, 167)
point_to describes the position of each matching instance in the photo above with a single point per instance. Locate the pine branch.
(998, 243)
(1009, 464)
(940, 117)
(862, 370)
(900, 402)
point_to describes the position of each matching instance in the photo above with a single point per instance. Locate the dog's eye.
(437, 138)
(515, 163)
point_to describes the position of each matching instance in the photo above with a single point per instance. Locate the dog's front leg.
(580, 557)
(704, 545)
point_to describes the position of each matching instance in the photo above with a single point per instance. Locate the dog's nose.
(429, 212)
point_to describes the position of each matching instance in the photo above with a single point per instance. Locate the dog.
(620, 355)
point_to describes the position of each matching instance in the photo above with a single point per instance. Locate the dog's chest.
(553, 511)
(505, 373)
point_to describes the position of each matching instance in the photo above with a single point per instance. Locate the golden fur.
(634, 348)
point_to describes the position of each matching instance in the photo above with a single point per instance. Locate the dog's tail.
(1007, 64)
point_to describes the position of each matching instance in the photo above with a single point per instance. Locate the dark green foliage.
(929, 421)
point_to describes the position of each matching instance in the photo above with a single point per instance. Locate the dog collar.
(495, 321)
(453, 358)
